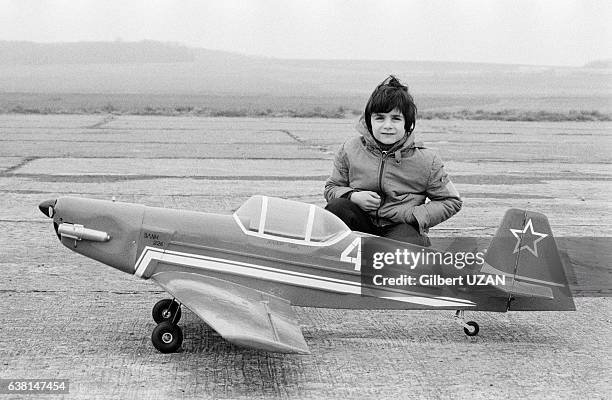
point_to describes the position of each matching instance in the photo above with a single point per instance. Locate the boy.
(380, 180)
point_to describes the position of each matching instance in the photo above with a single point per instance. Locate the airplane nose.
(47, 207)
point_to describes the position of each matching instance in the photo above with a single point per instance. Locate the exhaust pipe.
(79, 232)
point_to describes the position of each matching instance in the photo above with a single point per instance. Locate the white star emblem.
(520, 234)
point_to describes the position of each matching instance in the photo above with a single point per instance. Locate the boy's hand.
(366, 200)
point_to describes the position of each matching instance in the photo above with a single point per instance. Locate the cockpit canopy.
(288, 220)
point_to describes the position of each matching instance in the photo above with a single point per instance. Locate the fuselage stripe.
(276, 275)
(437, 302)
(488, 268)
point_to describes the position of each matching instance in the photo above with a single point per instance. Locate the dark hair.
(391, 94)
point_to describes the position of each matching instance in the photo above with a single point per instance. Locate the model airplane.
(241, 273)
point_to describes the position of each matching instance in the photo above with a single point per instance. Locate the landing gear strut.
(470, 328)
(167, 336)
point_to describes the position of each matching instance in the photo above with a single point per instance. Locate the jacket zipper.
(380, 176)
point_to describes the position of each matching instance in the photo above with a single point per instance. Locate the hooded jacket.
(404, 177)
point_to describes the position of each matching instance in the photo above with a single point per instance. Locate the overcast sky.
(559, 32)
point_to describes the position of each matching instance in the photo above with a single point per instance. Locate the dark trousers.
(358, 220)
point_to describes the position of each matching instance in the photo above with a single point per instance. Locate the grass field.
(471, 107)
(66, 316)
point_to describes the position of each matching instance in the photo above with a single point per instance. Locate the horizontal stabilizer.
(517, 287)
(524, 289)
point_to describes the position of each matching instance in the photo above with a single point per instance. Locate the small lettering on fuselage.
(153, 239)
(153, 236)
(276, 243)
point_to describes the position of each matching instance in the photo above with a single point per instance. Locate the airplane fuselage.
(149, 240)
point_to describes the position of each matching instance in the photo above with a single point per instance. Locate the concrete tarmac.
(67, 317)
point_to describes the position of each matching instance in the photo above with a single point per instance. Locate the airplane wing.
(241, 315)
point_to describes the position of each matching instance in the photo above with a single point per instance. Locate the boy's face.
(388, 128)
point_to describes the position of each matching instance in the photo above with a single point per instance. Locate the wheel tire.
(167, 338)
(473, 331)
(164, 310)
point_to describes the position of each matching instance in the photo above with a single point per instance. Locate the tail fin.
(525, 252)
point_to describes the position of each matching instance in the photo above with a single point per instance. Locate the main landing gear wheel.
(471, 328)
(166, 337)
(166, 310)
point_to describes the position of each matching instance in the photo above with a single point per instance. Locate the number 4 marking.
(345, 256)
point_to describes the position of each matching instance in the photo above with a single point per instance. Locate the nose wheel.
(167, 336)
(470, 328)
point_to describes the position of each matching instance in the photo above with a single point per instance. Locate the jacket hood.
(404, 143)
